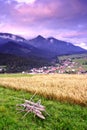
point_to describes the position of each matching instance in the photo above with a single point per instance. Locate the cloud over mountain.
(66, 20)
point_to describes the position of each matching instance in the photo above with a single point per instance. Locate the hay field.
(62, 87)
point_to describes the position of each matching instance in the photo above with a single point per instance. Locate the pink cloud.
(63, 19)
(73, 34)
(45, 12)
(39, 10)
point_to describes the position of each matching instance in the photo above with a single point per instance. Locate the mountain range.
(38, 49)
(55, 47)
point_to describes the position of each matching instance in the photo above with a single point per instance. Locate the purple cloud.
(66, 19)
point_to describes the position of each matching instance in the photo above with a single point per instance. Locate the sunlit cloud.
(82, 44)
(26, 1)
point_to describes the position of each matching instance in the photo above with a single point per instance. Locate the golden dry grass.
(71, 88)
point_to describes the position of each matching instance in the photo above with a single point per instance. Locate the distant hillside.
(18, 64)
(9, 36)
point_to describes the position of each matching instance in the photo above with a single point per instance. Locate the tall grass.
(62, 87)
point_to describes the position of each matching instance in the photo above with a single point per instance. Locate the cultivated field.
(71, 88)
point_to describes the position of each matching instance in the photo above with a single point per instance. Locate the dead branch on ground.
(30, 106)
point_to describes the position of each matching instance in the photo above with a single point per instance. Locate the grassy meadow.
(81, 59)
(62, 116)
(69, 114)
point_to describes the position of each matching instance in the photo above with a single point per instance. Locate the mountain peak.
(39, 37)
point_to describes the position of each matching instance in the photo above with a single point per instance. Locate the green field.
(15, 75)
(81, 59)
(74, 56)
(82, 62)
(63, 116)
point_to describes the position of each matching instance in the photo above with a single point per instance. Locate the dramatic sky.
(62, 19)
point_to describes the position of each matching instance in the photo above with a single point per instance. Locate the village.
(64, 67)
